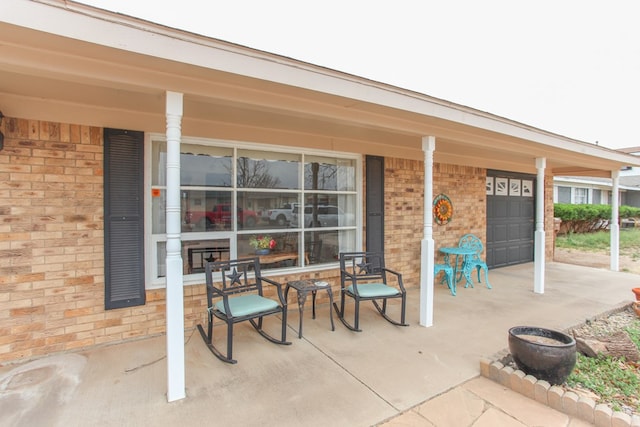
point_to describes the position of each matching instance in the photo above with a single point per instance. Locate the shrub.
(588, 218)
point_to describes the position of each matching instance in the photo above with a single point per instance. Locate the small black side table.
(303, 287)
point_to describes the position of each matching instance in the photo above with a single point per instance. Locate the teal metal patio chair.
(474, 261)
(448, 276)
(363, 277)
(241, 298)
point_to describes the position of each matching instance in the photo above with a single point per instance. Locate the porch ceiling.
(121, 82)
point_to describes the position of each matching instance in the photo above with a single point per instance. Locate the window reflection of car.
(327, 216)
(220, 214)
(280, 216)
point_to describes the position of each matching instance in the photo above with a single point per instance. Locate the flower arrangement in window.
(442, 209)
(262, 242)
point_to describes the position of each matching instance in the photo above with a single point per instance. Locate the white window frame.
(152, 240)
(574, 195)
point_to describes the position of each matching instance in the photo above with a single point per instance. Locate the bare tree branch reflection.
(323, 177)
(255, 174)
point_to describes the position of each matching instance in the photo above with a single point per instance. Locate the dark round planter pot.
(544, 353)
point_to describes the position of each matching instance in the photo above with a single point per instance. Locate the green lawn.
(599, 241)
(614, 381)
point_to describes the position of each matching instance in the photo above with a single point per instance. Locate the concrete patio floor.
(385, 375)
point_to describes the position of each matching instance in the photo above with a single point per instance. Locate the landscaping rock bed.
(574, 402)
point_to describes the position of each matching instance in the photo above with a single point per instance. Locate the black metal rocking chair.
(363, 277)
(242, 299)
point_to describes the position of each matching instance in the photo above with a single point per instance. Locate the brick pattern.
(548, 218)
(404, 210)
(51, 240)
(403, 217)
(465, 186)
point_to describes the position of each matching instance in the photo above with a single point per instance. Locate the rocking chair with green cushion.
(241, 298)
(363, 277)
(474, 261)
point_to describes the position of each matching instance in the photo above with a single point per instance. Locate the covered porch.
(79, 65)
(340, 377)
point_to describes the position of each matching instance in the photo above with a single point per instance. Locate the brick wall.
(51, 240)
(465, 186)
(403, 217)
(548, 218)
(52, 253)
(404, 210)
(404, 213)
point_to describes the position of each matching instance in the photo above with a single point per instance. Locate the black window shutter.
(375, 203)
(123, 218)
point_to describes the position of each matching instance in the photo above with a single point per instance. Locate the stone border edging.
(556, 397)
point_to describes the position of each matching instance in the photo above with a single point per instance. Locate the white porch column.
(427, 245)
(615, 226)
(539, 251)
(174, 295)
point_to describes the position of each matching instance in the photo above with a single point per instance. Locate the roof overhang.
(602, 183)
(68, 62)
(630, 150)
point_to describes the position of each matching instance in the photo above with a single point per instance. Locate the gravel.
(607, 324)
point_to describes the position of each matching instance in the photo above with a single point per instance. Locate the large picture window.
(303, 207)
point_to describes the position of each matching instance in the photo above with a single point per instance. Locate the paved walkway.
(481, 402)
(385, 375)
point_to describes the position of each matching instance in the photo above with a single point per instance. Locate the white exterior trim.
(614, 226)
(175, 298)
(427, 258)
(539, 239)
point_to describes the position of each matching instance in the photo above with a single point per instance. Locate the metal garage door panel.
(498, 256)
(514, 232)
(500, 208)
(526, 231)
(514, 207)
(510, 219)
(500, 233)
(526, 251)
(529, 210)
(513, 254)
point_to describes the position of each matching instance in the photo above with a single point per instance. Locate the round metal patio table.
(459, 252)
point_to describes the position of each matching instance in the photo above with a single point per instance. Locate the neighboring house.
(630, 178)
(115, 127)
(597, 191)
(631, 185)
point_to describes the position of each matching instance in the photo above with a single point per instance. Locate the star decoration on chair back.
(235, 277)
(364, 267)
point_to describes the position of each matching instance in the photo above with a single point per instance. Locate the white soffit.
(91, 25)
